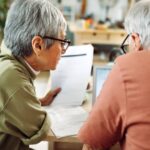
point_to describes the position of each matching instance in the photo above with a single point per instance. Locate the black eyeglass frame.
(65, 40)
(122, 45)
(57, 39)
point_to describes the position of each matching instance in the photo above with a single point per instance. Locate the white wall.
(95, 7)
(116, 13)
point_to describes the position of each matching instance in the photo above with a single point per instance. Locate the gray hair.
(138, 21)
(28, 18)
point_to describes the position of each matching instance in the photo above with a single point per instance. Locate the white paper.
(66, 121)
(72, 75)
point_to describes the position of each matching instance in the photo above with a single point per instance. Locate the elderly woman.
(35, 35)
(122, 110)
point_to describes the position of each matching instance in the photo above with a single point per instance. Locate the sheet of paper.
(72, 75)
(66, 121)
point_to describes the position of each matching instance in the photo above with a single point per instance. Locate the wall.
(96, 7)
(115, 13)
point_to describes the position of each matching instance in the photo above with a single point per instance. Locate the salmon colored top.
(122, 110)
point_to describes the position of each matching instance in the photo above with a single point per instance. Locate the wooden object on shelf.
(83, 7)
(95, 36)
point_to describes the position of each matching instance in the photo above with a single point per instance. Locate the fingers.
(55, 91)
(50, 96)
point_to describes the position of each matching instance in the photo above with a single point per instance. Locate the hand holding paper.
(48, 99)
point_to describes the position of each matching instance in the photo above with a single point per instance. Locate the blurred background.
(98, 22)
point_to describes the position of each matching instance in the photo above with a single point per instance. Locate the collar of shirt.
(34, 71)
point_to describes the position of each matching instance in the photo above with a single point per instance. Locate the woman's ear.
(136, 43)
(37, 45)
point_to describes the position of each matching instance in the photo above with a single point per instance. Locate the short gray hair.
(138, 21)
(28, 18)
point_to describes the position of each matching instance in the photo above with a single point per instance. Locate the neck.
(33, 62)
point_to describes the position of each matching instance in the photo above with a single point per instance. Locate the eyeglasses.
(64, 43)
(124, 46)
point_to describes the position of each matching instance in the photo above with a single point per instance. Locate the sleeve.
(105, 124)
(25, 118)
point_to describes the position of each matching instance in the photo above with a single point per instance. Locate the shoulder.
(125, 59)
(13, 74)
(133, 58)
(11, 66)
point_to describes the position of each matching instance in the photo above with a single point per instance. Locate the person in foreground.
(35, 35)
(122, 110)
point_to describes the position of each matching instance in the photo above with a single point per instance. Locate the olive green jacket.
(22, 119)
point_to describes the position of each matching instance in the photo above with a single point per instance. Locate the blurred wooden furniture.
(97, 36)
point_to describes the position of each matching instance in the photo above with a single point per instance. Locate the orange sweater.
(122, 110)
